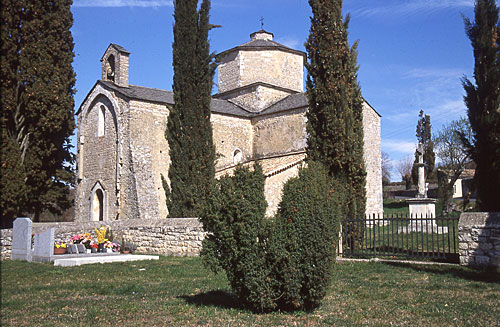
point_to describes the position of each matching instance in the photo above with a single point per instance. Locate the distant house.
(463, 184)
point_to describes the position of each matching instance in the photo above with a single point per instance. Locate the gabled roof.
(117, 47)
(167, 97)
(293, 101)
(369, 105)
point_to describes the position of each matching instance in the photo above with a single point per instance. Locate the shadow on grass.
(396, 205)
(221, 299)
(488, 275)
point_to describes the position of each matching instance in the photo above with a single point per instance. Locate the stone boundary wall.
(170, 236)
(479, 239)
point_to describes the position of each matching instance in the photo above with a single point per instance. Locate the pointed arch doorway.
(98, 203)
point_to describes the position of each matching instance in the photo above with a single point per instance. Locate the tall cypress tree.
(483, 102)
(12, 179)
(424, 136)
(37, 85)
(335, 113)
(189, 131)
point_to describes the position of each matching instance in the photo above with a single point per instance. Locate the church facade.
(258, 115)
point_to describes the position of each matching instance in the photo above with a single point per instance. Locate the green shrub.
(304, 237)
(235, 243)
(280, 263)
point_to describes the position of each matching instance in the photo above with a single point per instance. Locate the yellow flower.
(101, 234)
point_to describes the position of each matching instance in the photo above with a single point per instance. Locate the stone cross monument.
(422, 192)
(422, 209)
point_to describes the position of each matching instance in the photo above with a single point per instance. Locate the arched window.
(101, 121)
(110, 68)
(237, 156)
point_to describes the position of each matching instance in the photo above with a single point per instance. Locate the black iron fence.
(400, 236)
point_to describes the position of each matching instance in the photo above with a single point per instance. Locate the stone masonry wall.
(228, 77)
(127, 200)
(479, 239)
(280, 133)
(97, 158)
(172, 236)
(274, 183)
(373, 160)
(231, 133)
(279, 68)
(149, 156)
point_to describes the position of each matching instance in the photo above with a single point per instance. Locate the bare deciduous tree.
(386, 168)
(453, 154)
(404, 167)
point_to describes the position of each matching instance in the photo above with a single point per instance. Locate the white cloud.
(412, 8)
(400, 117)
(454, 74)
(143, 3)
(405, 147)
(447, 111)
(123, 3)
(289, 42)
(437, 91)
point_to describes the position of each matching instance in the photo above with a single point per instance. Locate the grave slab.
(21, 239)
(44, 246)
(72, 262)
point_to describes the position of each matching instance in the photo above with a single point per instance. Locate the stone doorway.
(98, 204)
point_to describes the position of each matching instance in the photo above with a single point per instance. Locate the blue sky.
(412, 53)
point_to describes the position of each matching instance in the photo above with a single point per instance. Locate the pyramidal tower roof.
(262, 40)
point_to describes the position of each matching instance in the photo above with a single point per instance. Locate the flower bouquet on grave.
(116, 247)
(101, 237)
(108, 246)
(94, 247)
(59, 248)
(87, 239)
(76, 239)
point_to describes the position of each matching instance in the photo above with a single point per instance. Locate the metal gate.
(400, 236)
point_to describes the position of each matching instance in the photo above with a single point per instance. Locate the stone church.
(258, 115)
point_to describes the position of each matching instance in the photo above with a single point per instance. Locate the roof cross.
(261, 23)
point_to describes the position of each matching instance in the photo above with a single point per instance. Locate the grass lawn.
(396, 207)
(180, 292)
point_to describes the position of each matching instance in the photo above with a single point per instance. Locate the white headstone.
(21, 239)
(44, 245)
